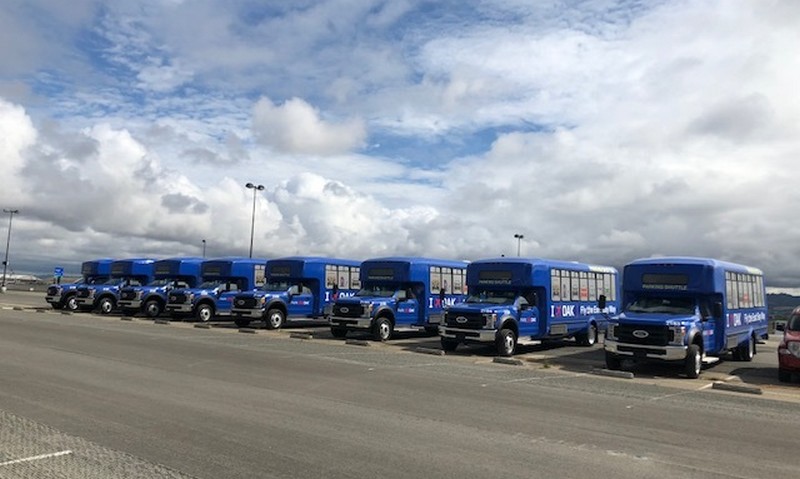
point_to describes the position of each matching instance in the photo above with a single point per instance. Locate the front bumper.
(53, 299)
(248, 313)
(179, 308)
(350, 323)
(130, 303)
(468, 335)
(663, 353)
(85, 301)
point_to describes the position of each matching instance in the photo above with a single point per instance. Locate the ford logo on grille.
(240, 302)
(640, 333)
(344, 309)
(461, 320)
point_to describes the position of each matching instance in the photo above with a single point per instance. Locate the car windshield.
(97, 280)
(794, 323)
(210, 284)
(493, 297)
(383, 291)
(664, 305)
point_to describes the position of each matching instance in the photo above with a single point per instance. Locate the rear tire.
(613, 362)
(449, 345)
(747, 350)
(693, 362)
(506, 342)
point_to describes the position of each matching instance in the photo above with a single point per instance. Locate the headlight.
(794, 348)
(611, 332)
(263, 300)
(368, 307)
(678, 334)
(490, 319)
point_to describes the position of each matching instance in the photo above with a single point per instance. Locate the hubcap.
(72, 305)
(106, 306)
(153, 309)
(509, 343)
(205, 314)
(384, 330)
(698, 361)
(276, 320)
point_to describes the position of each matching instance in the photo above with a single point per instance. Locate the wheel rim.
(72, 304)
(205, 314)
(698, 361)
(751, 347)
(106, 306)
(153, 310)
(508, 342)
(383, 330)
(276, 319)
(592, 335)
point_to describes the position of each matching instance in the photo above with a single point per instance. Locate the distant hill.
(781, 304)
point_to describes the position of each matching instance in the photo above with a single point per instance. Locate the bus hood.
(480, 308)
(657, 319)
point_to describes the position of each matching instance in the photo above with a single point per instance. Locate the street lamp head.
(519, 236)
(254, 187)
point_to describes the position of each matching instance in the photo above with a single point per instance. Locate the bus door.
(301, 303)
(713, 325)
(408, 309)
(528, 314)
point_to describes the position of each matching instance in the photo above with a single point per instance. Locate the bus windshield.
(279, 285)
(493, 297)
(210, 284)
(664, 305)
(162, 282)
(382, 291)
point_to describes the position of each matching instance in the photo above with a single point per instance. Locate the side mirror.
(717, 310)
(601, 301)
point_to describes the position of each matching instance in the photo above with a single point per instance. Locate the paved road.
(218, 403)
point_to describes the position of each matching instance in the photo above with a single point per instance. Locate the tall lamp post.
(519, 240)
(255, 188)
(11, 214)
(204, 248)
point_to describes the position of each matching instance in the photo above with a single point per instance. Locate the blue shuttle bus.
(103, 297)
(680, 309)
(516, 300)
(223, 279)
(63, 296)
(297, 288)
(400, 294)
(169, 274)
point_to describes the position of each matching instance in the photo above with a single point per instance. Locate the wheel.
(106, 305)
(274, 319)
(338, 332)
(589, 338)
(153, 308)
(71, 303)
(784, 376)
(204, 313)
(693, 361)
(242, 322)
(506, 342)
(747, 350)
(613, 362)
(449, 345)
(382, 330)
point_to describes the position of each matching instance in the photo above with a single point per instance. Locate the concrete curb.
(512, 362)
(203, 326)
(357, 342)
(160, 321)
(301, 336)
(613, 374)
(18, 308)
(739, 388)
(126, 318)
(248, 330)
(434, 352)
(67, 313)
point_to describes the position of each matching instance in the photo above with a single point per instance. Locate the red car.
(789, 348)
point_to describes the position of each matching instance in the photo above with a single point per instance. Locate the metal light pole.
(11, 214)
(255, 188)
(204, 248)
(519, 240)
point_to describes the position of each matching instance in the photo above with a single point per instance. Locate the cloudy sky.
(601, 130)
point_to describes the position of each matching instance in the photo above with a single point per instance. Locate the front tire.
(106, 305)
(449, 345)
(506, 342)
(153, 308)
(274, 319)
(71, 303)
(383, 330)
(204, 313)
(613, 362)
(693, 362)
(589, 338)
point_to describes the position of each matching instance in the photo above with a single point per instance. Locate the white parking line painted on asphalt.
(36, 458)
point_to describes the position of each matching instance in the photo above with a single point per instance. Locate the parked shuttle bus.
(169, 274)
(64, 295)
(681, 309)
(297, 288)
(515, 300)
(399, 294)
(223, 279)
(124, 272)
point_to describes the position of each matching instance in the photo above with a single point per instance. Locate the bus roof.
(419, 260)
(318, 259)
(547, 263)
(696, 261)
